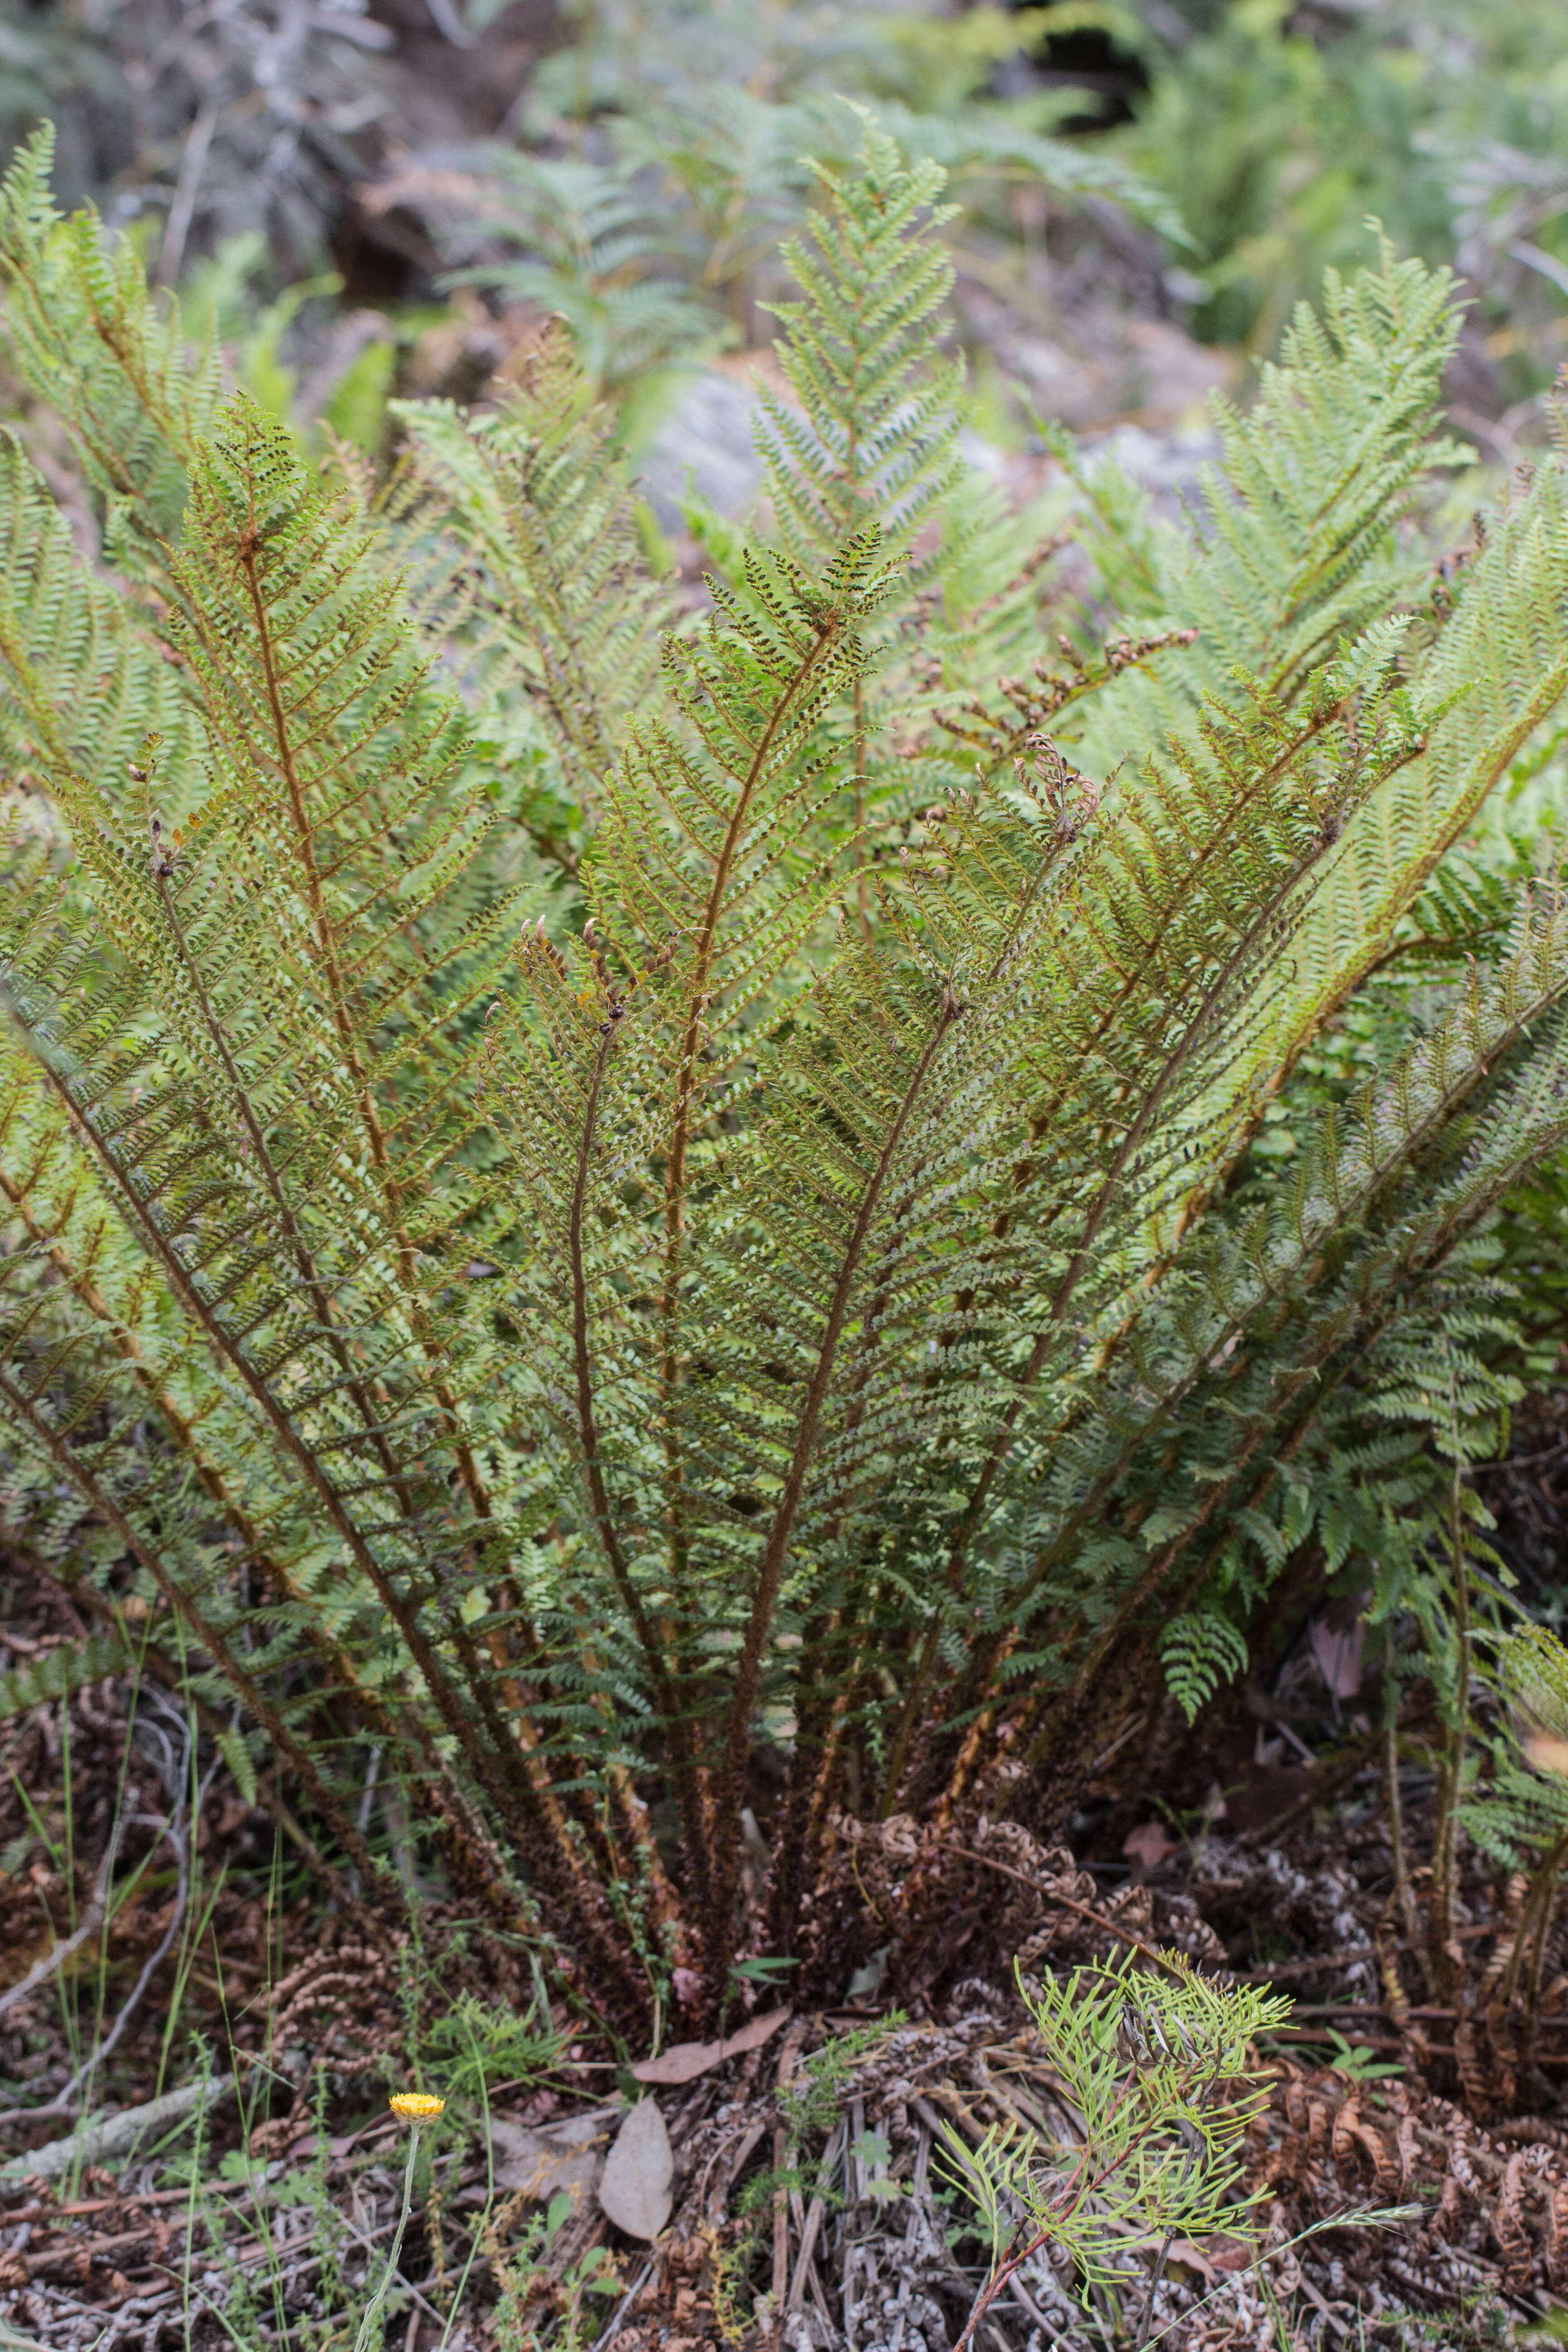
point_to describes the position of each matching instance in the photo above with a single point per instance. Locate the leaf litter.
(786, 2224)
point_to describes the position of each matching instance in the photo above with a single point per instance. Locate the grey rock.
(704, 444)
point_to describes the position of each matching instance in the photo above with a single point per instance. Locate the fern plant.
(1521, 1816)
(577, 1304)
(596, 254)
(1160, 2065)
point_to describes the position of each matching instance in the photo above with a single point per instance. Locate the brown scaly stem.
(588, 1436)
(1451, 1787)
(816, 1769)
(693, 1782)
(1404, 1894)
(913, 1716)
(981, 1741)
(720, 1929)
(819, 1715)
(583, 1360)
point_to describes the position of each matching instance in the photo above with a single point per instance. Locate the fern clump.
(586, 1195)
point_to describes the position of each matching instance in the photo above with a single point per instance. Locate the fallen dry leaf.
(1148, 1844)
(539, 2162)
(1211, 2256)
(687, 2060)
(634, 2187)
(1182, 2253)
(1339, 1655)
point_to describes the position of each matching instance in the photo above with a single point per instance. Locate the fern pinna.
(585, 1231)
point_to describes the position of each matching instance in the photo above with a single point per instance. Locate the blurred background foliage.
(1277, 132)
(377, 196)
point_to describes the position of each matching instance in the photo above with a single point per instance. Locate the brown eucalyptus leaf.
(687, 2060)
(540, 2163)
(634, 2190)
(1186, 2253)
(1151, 1845)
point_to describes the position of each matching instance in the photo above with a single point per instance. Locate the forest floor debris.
(279, 2210)
(851, 2231)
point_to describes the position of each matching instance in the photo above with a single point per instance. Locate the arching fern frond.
(874, 434)
(119, 376)
(1200, 1652)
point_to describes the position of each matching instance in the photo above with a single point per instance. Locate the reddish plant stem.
(721, 1921)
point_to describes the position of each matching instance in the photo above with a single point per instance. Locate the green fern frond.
(84, 689)
(595, 250)
(91, 342)
(60, 1672)
(1519, 1817)
(1297, 548)
(874, 435)
(1200, 1653)
(538, 500)
(1532, 1674)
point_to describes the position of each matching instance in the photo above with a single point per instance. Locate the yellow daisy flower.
(415, 2106)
